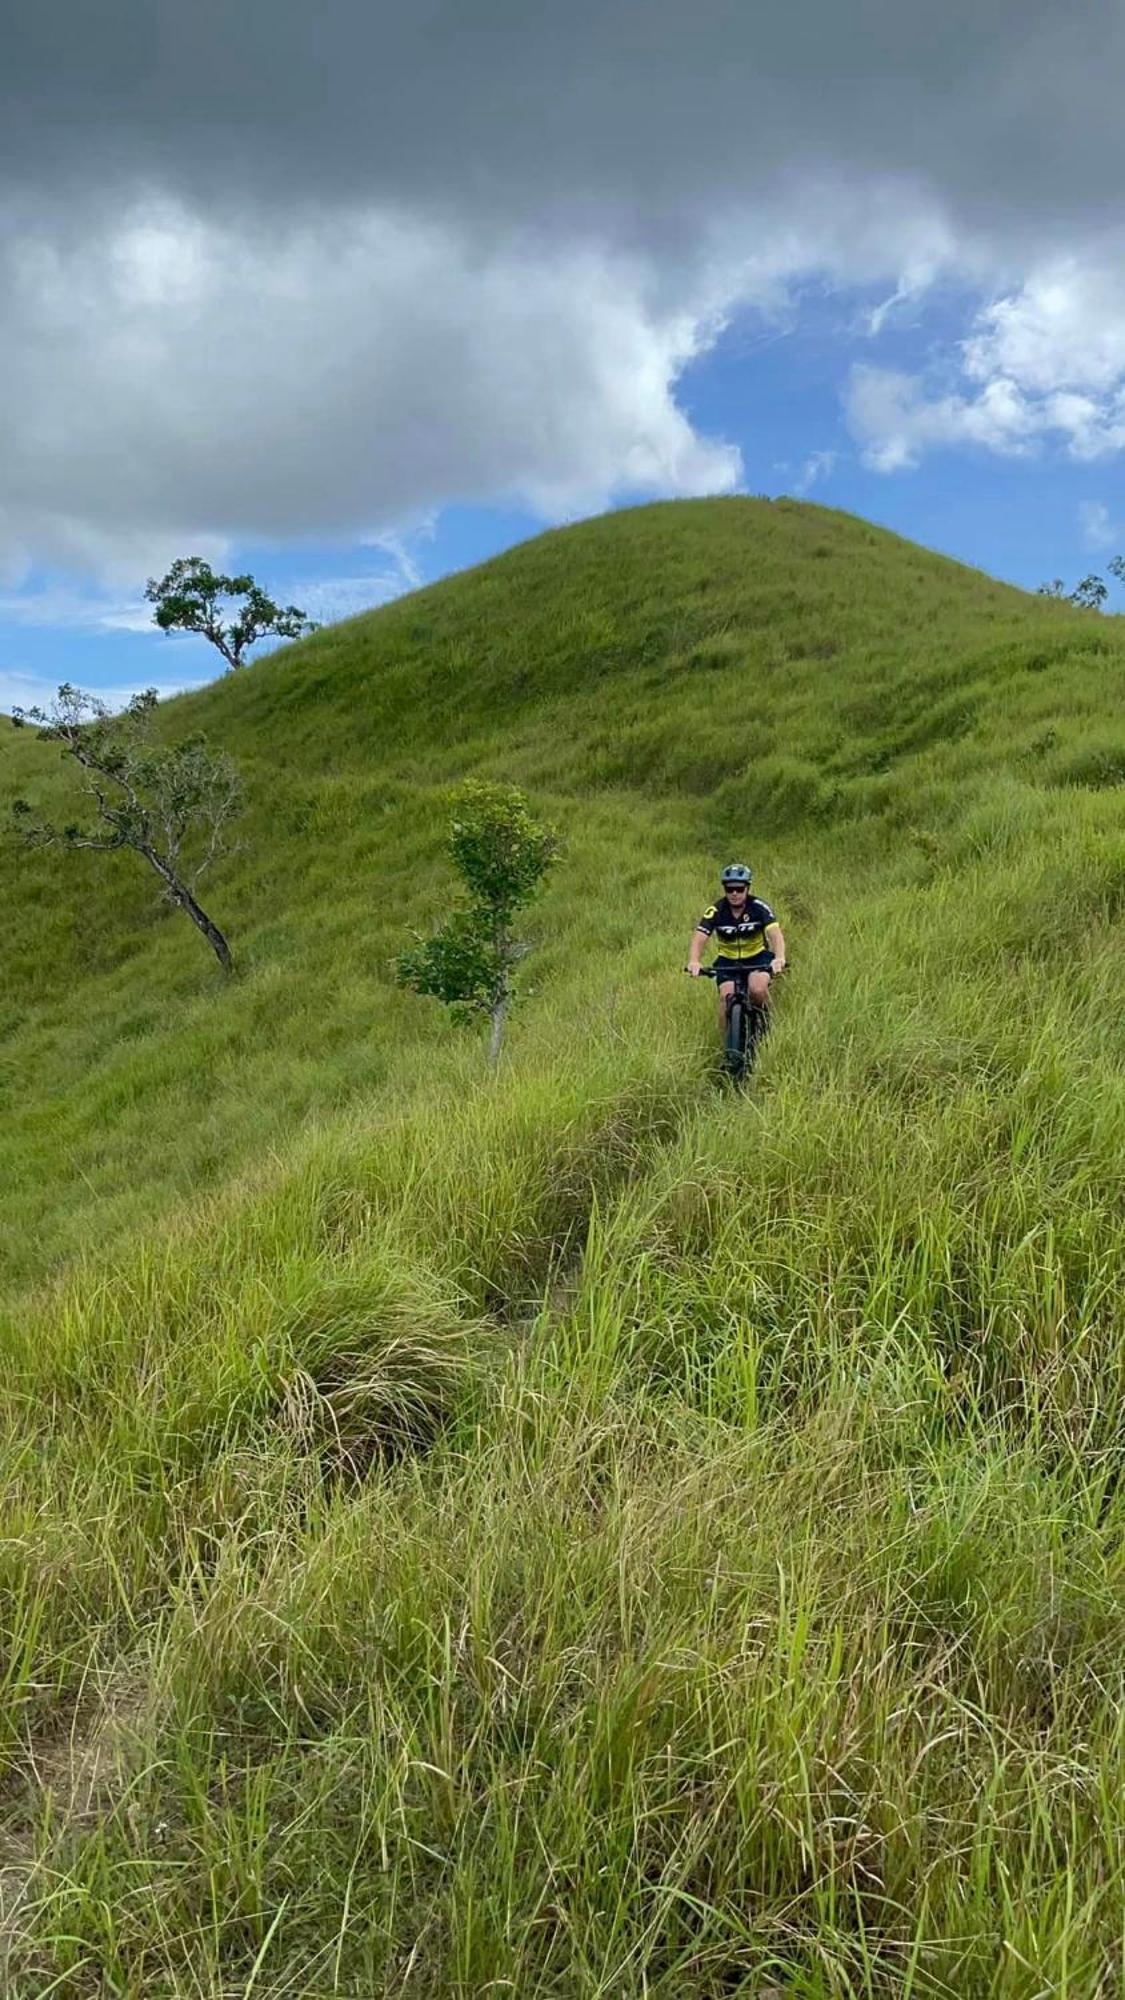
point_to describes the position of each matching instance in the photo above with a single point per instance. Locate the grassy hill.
(574, 1533)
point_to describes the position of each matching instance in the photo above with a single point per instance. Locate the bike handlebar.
(728, 972)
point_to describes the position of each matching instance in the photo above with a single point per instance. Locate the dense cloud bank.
(273, 270)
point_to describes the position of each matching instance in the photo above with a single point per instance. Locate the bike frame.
(747, 1020)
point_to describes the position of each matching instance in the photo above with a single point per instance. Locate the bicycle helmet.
(738, 873)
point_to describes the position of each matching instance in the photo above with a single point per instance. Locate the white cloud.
(1063, 328)
(179, 381)
(407, 565)
(1098, 527)
(1042, 363)
(24, 690)
(819, 465)
(328, 598)
(335, 379)
(895, 421)
(1089, 428)
(63, 608)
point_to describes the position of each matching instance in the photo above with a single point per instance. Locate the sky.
(355, 295)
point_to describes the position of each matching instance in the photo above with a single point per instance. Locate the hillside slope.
(715, 675)
(576, 1533)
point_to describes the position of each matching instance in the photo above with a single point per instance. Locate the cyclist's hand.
(695, 970)
(777, 966)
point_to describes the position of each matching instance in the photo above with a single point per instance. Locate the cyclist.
(747, 933)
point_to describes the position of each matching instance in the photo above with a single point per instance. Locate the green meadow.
(577, 1531)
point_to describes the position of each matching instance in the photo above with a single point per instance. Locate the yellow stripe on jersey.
(744, 947)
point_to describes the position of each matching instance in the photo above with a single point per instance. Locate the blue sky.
(781, 394)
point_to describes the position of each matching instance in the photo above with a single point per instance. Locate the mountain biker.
(747, 933)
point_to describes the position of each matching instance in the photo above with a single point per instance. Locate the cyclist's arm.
(775, 938)
(701, 938)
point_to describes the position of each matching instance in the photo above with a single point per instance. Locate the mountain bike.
(748, 1023)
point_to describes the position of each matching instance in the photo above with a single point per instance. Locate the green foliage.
(1091, 593)
(502, 854)
(159, 792)
(462, 964)
(160, 800)
(193, 597)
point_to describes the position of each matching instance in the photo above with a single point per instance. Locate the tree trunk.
(496, 1015)
(181, 894)
(501, 992)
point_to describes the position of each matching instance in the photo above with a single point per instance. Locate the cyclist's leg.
(759, 997)
(726, 994)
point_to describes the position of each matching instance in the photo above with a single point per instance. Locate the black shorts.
(763, 962)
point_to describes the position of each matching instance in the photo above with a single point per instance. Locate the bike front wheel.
(735, 1048)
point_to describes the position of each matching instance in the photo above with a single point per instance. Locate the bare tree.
(166, 802)
(193, 598)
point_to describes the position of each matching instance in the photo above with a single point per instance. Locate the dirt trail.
(81, 1771)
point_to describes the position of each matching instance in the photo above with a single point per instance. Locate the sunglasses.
(736, 888)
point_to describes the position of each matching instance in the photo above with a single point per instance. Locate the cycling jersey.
(738, 937)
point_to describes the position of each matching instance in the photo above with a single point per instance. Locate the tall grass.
(581, 1533)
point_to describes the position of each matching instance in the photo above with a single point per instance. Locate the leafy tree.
(160, 800)
(1090, 594)
(502, 854)
(192, 598)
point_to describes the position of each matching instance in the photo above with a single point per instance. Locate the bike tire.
(736, 1039)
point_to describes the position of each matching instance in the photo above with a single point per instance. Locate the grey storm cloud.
(275, 269)
(508, 108)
